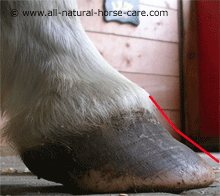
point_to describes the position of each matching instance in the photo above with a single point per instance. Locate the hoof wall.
(138, 158)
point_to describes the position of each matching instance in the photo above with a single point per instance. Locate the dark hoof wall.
(138, 157)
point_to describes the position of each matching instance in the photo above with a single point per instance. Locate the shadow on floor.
(39, 190)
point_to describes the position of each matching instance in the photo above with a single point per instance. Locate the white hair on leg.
(54, 81)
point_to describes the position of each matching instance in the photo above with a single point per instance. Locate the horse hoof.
(131, 157)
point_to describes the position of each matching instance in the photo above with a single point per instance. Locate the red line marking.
(181, 132)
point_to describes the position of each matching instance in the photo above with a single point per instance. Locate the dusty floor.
(17, 180)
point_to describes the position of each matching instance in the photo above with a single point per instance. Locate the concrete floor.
(17, 180)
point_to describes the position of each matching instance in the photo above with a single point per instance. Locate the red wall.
(208, 51)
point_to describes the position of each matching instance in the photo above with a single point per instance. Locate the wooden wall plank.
(168, 4)
(151, 27)
(136, 55)
(165, 90)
